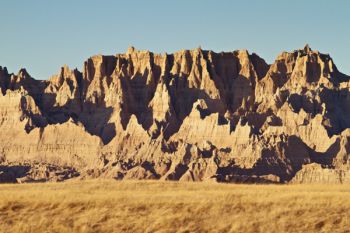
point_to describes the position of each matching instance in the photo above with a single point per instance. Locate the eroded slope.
(192, 115)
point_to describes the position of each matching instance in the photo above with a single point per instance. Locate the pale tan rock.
(194, 115)
(315, 174)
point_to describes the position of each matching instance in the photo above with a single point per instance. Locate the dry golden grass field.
(144, 206)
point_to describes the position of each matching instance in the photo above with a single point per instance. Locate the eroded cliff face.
(193, 115)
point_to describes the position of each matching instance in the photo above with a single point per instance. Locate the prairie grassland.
(154, 206)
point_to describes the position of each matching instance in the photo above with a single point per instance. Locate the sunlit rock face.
(194, 115)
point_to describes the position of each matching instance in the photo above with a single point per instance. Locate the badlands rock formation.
(193, 115)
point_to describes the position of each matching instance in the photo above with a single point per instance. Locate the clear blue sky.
(43, 35)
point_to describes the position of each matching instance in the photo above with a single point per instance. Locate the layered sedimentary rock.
(193, 115)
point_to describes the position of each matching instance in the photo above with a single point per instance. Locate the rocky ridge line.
(193, 115)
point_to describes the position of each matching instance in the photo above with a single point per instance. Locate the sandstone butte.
(193, 115)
